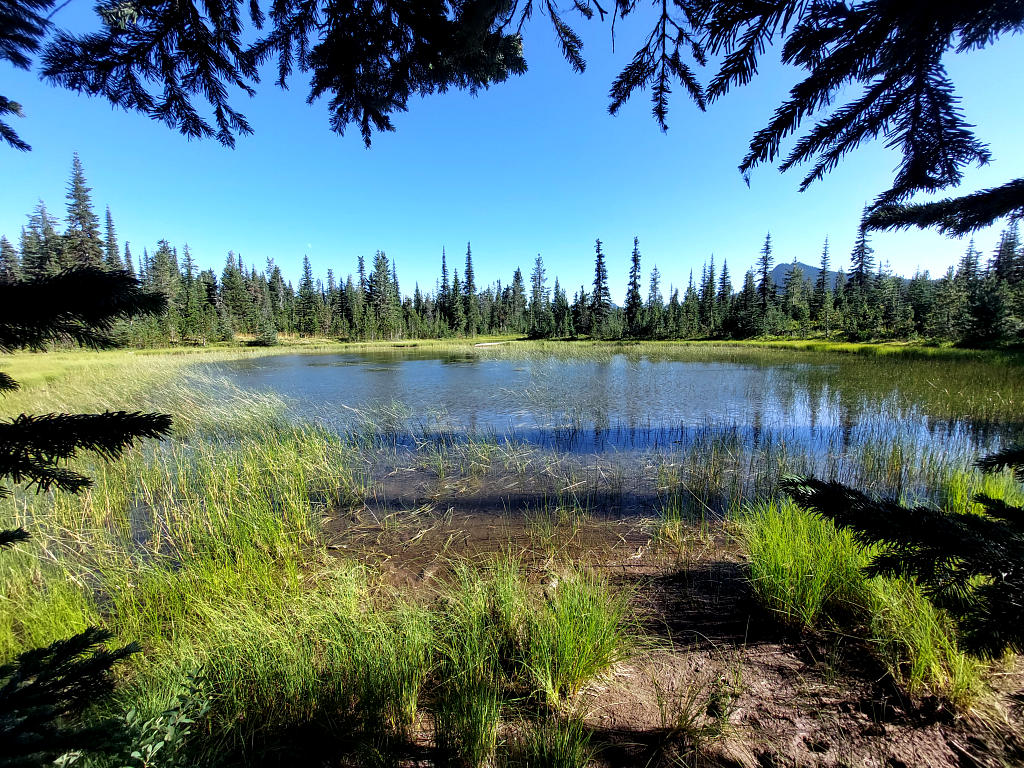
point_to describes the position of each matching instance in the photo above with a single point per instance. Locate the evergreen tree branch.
(79, 304)
(11, 537)
(1008, 458)
(971, 565)
(953, 216)
(43, 686)
(32, 447)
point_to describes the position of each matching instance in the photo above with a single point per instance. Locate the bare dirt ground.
(716, 682)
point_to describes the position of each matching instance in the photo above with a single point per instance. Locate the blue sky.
(535, 165)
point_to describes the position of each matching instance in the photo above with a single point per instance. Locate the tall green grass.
(810, 575)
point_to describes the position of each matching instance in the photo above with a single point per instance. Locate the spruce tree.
(634, 306)
(41, 246)
(307, 320)
(541, 321)
(82, 243)
(129, 266)
(458, 306)
(765, 285)
(655, 308)
(111, 254)
(43, 689)
(723, 301)
(862, 265)
(472, 304)
(517, 300)
(600, 299)
(10, 262)
(821, 297)
(562, 314)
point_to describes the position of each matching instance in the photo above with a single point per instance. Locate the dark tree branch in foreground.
(954, 216)
(78, 304)
(33, 447)
(972, 565)
(43, 687)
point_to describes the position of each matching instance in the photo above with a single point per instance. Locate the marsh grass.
(810, 575)
(581, 632)
(554, 742)
(210, 548)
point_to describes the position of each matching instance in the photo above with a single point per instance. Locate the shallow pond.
(617, 401)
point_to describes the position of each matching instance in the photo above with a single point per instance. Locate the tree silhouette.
(41, 687)
(161, 58)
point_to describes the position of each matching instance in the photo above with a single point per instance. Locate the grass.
(809, 575)
(553, 743)
(211, 548)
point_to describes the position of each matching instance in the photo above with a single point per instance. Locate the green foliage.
(552, 743)
(968, 562)
(161, 741)
(581, 632)
(812, 576)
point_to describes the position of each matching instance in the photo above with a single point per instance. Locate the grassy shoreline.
(219, 550)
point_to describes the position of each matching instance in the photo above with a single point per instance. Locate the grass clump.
(579, 633)
(552, 743)
(810, 574)
(802, 568)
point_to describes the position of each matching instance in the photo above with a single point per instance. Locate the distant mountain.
(780, 272)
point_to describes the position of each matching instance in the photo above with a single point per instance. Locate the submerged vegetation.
(259, 558)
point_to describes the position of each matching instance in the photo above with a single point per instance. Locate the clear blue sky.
(532, 166)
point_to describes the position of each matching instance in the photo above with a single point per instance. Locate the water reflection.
(615, 402)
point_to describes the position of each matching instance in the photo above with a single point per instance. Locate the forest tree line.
(979, 301)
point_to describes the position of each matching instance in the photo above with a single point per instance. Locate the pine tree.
(541, 321)
(41, 246)
(765, 285)
(10, 262)
(472, 304)
(655, 309)
(562, 314)
(111, 254)
(518, 303)
(748, 309)
(634, 306)
(237, 307)
(191, 326)
(862, 265)
(82, 237)
(41, 689)
(307, 320)
(795, 300)
(723, 301)
(129, 266)
(706, 300)
(600, 299)
(444, 293)
(458, 307)
(821, 298)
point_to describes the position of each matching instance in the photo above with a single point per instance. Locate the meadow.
(308, 594)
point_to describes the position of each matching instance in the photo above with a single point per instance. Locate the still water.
(621, 402)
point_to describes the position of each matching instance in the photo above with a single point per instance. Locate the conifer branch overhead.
(7, 384)
(79, 304)
(953, 216)
(32, 447)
